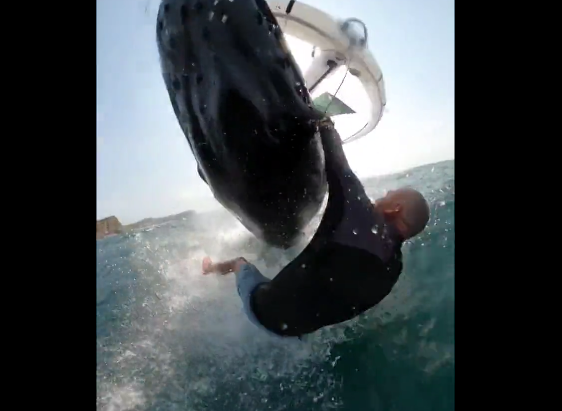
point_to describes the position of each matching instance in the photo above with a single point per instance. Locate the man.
(349, 266)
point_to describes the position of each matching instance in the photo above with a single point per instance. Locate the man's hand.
(207, 265)
(326, 122)
(222, 268)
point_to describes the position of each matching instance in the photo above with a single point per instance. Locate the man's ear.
(392, 210)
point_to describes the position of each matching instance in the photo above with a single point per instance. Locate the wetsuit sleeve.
(337, 168)
(333, 148)
(248, 278)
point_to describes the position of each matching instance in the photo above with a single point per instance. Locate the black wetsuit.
(350, 265)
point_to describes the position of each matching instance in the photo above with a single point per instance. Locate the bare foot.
(207, 265)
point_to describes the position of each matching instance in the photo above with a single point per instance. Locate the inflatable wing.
(338, 44)
(241, 102)
(331, 105)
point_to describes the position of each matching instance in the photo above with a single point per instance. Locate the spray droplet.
(224, 18)
(331, 279)
(303, 266)
(375, 230)
(355, 231)
(284, 326)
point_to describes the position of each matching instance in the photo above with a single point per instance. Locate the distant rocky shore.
(108, 226)
(112, 226)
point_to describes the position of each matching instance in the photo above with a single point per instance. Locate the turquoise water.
(169, 338)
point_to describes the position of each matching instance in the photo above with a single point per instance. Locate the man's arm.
(248, 278)
(333, 147)
(337, 168)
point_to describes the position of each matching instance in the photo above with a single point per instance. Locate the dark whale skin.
(240, 100)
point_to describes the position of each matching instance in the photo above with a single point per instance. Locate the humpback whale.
(242, 104)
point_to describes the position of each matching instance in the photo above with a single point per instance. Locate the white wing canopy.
(336, 45)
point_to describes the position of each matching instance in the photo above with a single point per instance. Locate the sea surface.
(169, 338)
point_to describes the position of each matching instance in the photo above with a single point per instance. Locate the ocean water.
(169, 338)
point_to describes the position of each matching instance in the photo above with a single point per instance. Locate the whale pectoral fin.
(201, 175)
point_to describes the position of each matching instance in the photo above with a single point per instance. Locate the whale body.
(242, 104)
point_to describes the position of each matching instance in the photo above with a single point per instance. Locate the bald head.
(406, 209)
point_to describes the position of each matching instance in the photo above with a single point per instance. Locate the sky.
(144, 165)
